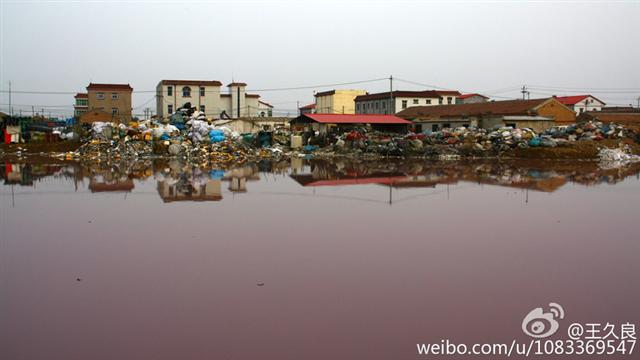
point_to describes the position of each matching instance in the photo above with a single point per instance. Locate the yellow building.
(114, 99)
(337, 101)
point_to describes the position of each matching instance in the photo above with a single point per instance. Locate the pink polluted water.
(309, 259)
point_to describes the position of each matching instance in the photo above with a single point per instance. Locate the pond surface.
(307, 259)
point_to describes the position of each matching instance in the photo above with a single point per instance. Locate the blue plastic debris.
(216, 136)
(535, 142)
(216, 174)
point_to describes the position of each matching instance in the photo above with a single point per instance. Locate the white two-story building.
(392, 103)
(581, 103)
(206, 96)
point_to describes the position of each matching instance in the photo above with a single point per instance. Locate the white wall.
(588, 104)
(210, 100)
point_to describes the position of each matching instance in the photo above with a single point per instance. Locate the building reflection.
(180, 181)
(527, 175)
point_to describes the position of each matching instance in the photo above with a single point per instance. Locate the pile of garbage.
(615, 158)
(591, 130)
(460, 141)
(187, 134)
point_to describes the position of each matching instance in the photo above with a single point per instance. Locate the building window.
(357, 107)
(114, 96)
(440, 101)
(100, 96)
(428, 101)
(415, 101)
(201, 90)
(404, 104)
(384, 104)
(449, 100)
(202, 108)
(169, 90)
(446, 126)
(434, 127)
(170, 109)
(377, 103)
(114, 111)
(186, 91)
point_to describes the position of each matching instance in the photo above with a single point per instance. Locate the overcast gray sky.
(491, 47)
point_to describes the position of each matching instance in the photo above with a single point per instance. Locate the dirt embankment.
(583, 150)
(576, 150)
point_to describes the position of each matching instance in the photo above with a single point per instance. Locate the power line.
(32, 92)
(582, 89)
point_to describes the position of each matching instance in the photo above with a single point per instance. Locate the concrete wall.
(340, 102)
(472, 100)
(210, 100)
(557, 111)
(214, 101)
(107, 103)
(382, 106)
(255, 124)
(588, 104)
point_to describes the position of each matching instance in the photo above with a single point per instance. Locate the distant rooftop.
(109, 87)
(192, 82)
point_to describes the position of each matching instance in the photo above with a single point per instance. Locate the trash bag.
(535, 142)
(216, 135)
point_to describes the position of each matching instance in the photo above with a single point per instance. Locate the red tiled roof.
(81, 96)
(237, 84)
(507, 107)
(355, 119)
(191, 82)
(252, 95)
(307, 107)
(465, 96)
(574, 99)
(110, 87)
(401, 93)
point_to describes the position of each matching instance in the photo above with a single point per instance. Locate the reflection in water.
(540, 176)
(167, 272)
(178, 181)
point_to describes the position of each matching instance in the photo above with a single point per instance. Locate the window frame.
(186, 91)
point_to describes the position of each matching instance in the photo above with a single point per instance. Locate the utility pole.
(524, 91)
(33, 111)
(392, 108)
(638, 106)
(298, 107)
(10, 108)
